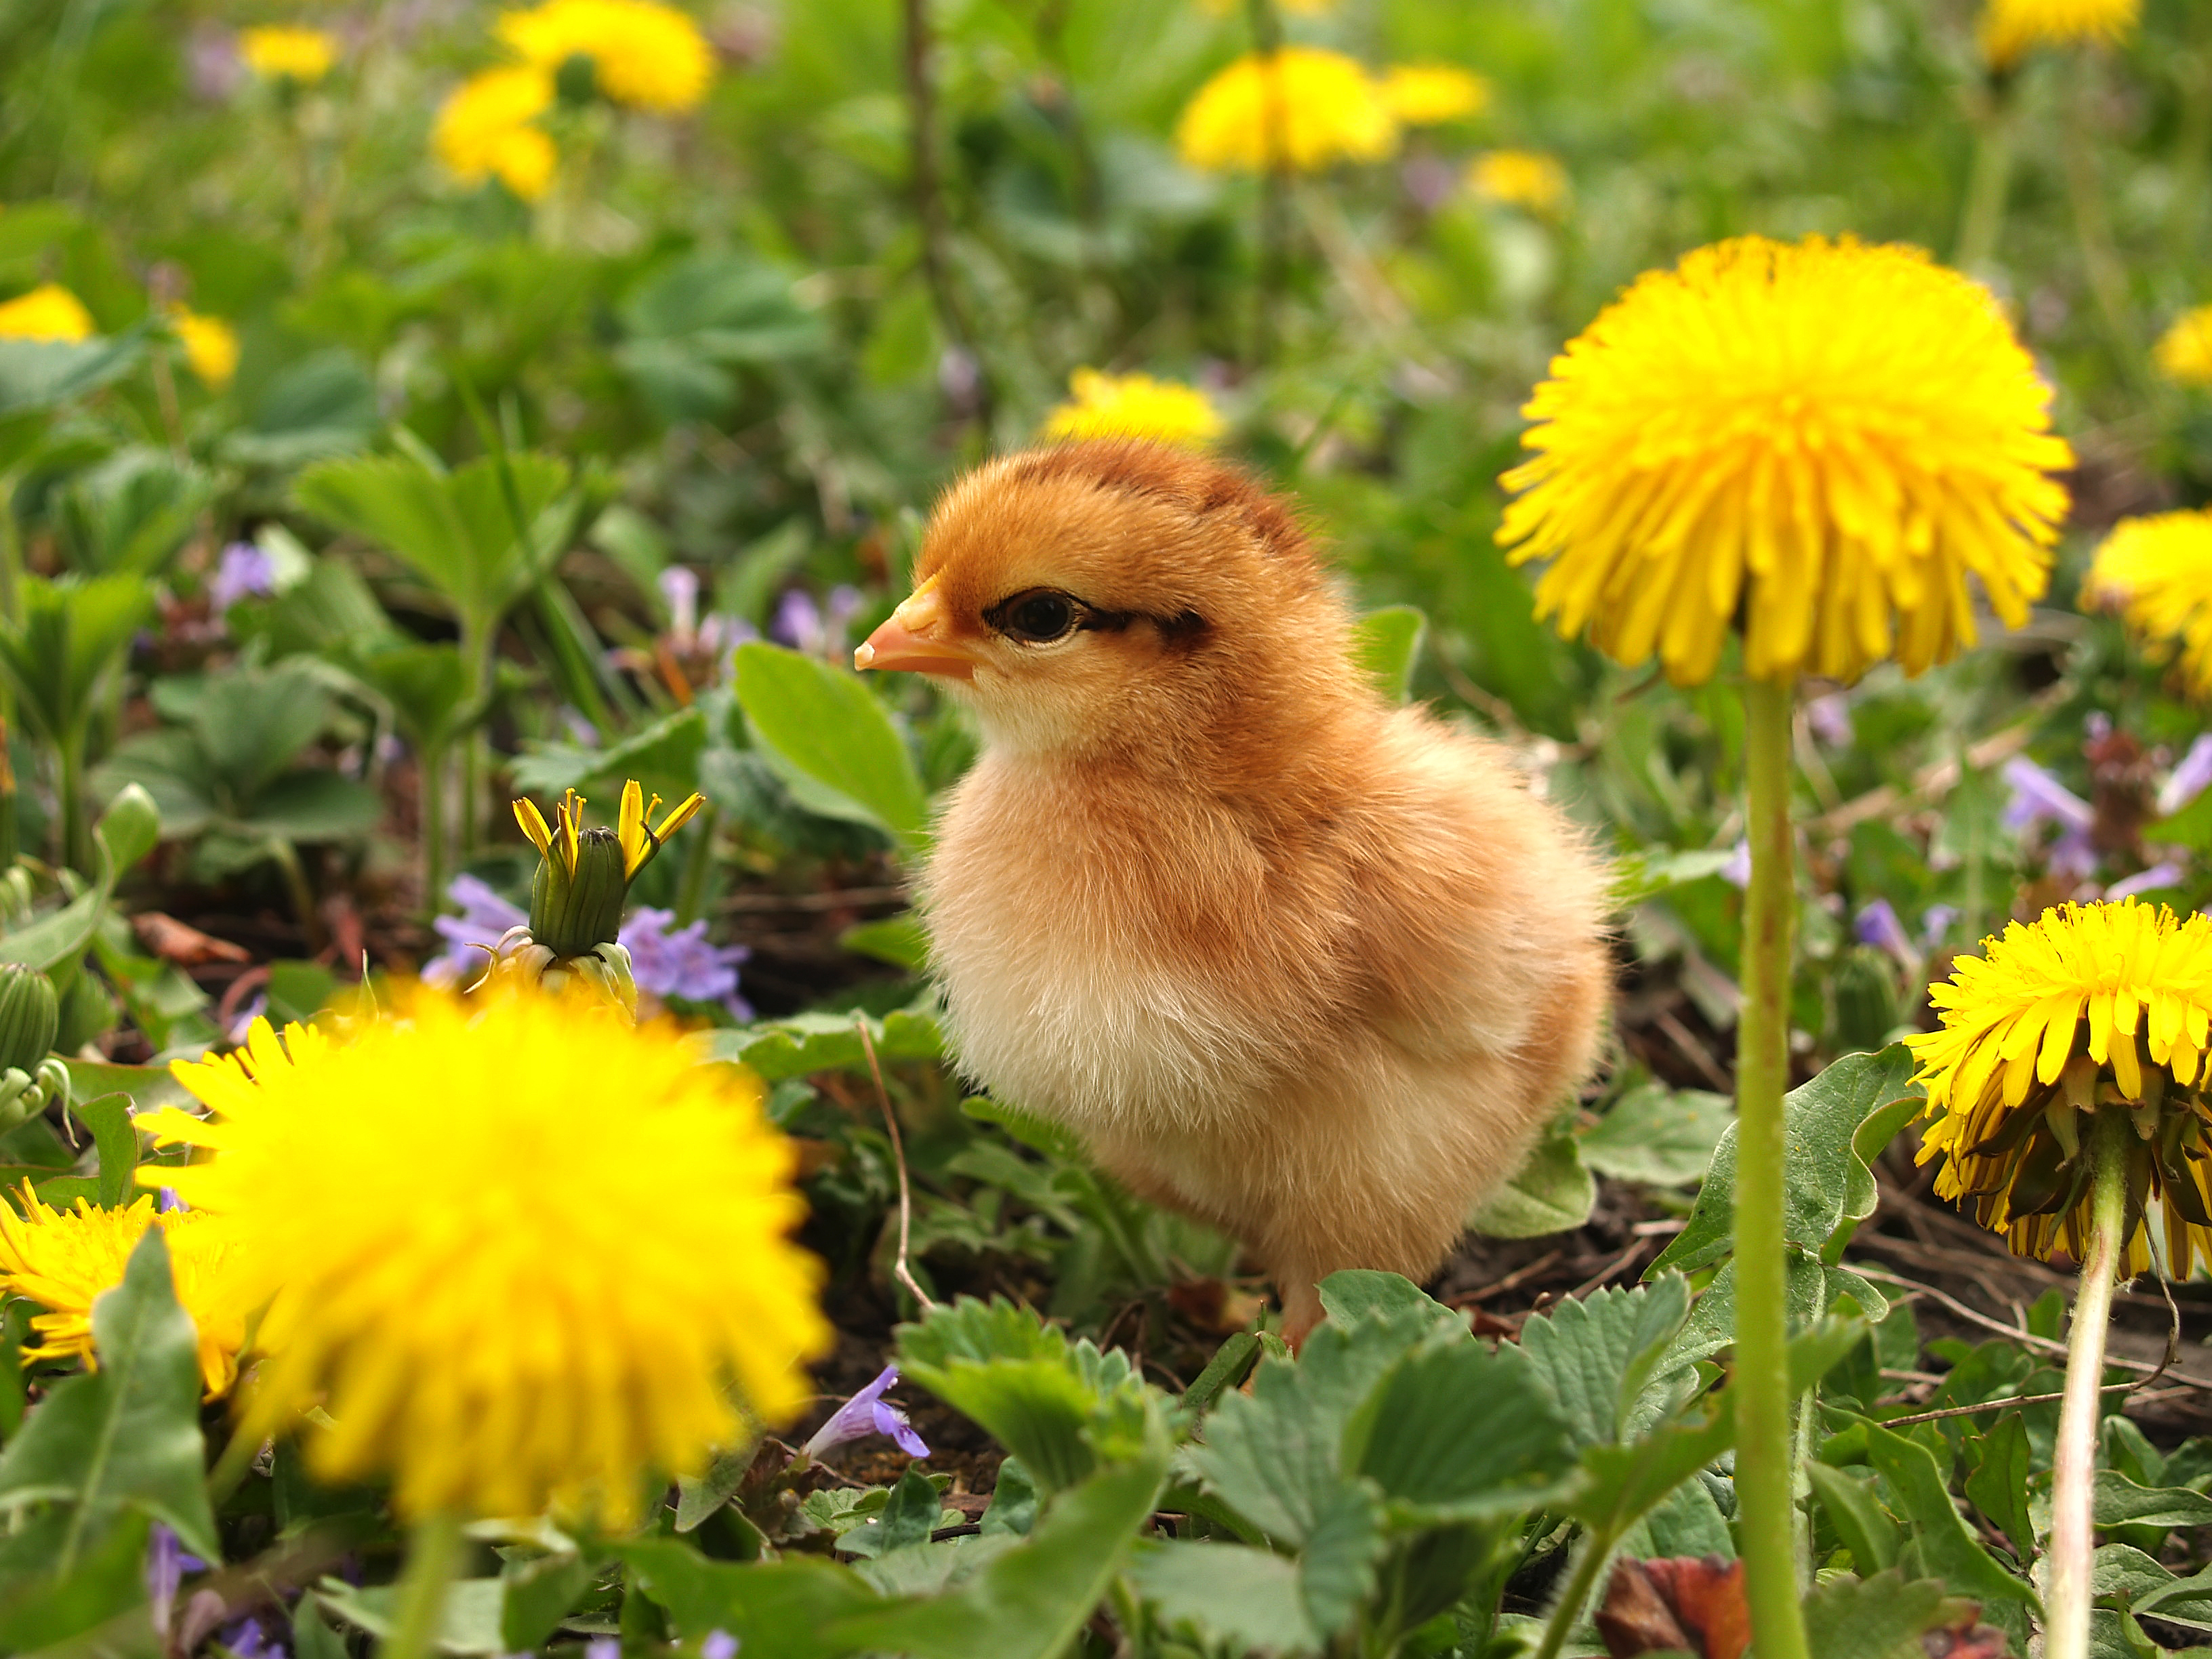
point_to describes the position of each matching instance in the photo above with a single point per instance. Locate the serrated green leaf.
(820, 726)
(1354, 1293)
(907, 1518)
(1595, 1356)
(1946, 1545)
(1458, 1431)
(1336, 1568)
(1866, 1531)
(1829, 1184)
(1998, 1485)
(1553, 1192)
(781, 1608)
(128, 1433)
(1231, 1593)
(1878, 1617)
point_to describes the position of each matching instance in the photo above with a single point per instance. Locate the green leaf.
(697, 1499)
(41, 1613)
(67, 636)
(470, 1624)
(802, 1044)
(1337, 1567)
(898, 940)
(147, 1086)
(62, 937)
(1030, 1602)
(1553, 1192)
(128, 1433)
(1663, 1137)
(1947, 1546)
(1859, 1520)
(1353, 1293)
(1459, 1432)
(831, 741)
(1998, 1486)
(1829, 1184)
(109, 1118)
(1644, 875)
(1385, 644)
(2121, 1503)
(1597, 1357)
(1039, 1134)
(536, 1593)
(907, 1518)
(40, 374)
(1880, 1616)
(781, 1608)
(1230, 1594)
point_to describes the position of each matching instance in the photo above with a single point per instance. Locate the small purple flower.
(865, 1414)
(602, 1647)
(167, 1561)
(1830, 718)
(1936, 923)
(721, 635)
(247, 1640)
(242, 1025)
(683, 962)
(169, 1203)
(804, 626)
(959, 375)
(245, 573)
(719, 1644)
(484, 916)
(2038, 798)
(580, 731)
(1877, 925)
(1737, 871)
(2188, 779)
(1430, 180)
(2144, 881)
(212, 64)
(679, 590)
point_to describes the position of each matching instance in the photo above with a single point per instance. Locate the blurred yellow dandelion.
(1423, 95)
(519, 1257)
(211, 346)
(1135, 406)
(2090, 1008)
(643, 55)
(2183, 353)
(284, 53)
(1301, 107)
(2010, 28)
(2158, 571)
(1820, 438)
(484, 131)
(65, 1260)
(48, 312)
(1520, 178)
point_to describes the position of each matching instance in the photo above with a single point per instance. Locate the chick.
(1307, 966)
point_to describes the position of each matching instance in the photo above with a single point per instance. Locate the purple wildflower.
(242, 1025)
(212, 64)
(2037, 798)
(169, 1203)
(2188, 779)
(582, 731)
(1737, 871)
(247, 1640)
(680, 589)
(484, 916)
(804, 626)
(2144, 881)
(1830, 718)
(602, 1647)
(167, 1561)
(682, 963)
(1936, 923)
(865, 1414)
(1877, 925)
(719, 1644)
(245, 573)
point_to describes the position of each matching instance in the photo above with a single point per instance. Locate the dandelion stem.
(434, 1556)
(1988, 185)
(1597, 1549)
(1763, 1472)
(2066, 1636)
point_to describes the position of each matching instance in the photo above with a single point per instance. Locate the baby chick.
(1309, 967)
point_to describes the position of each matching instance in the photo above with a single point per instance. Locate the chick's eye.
(1038, 618)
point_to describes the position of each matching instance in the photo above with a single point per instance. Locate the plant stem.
(286, 857)
(434, 1555)
(2093, 232)
(1989, 183)
(698, 865)
(430, 791)
(1764, 1495)
(1596, 1548)
(2066, 1634)
(76, 837)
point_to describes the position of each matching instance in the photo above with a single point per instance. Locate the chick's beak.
(916, 638)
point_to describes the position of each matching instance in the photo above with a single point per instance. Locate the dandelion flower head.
(2090, 1008)
(1520, 178)
(48, 312)
(2183, 353)
(211, 346)
(65, 1260)
(2010, 28)
(1823, 438)
(643, 55)
(1135, 406)
(2158, 571)
(484, 131)
(1301, 107)
(517, 1255)
(1425, 94)
(282, 52)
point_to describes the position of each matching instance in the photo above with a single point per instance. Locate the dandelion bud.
(572, 909)
(30, 1014)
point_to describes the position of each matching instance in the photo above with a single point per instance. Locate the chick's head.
(1115, 592)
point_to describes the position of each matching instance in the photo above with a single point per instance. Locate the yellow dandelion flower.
(66, 1259)
(1135, 406)
(519, 1257)
(2090, 1008)
(210, 345)
(2158, 572)
(48, 312)
(1520, 178)
(1423, 94)
(285, 53)
(1819, 438)
(484, 131)
(2010, 28)
(2184, 352)
(1301, 107)
(643, 55)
